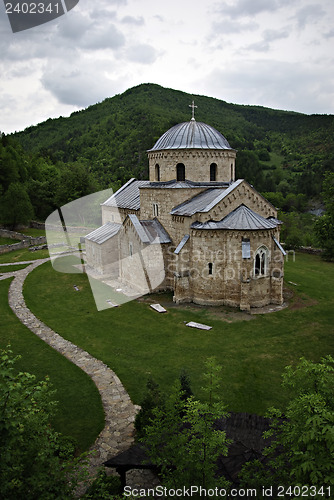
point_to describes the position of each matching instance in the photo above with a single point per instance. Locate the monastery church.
(192, 228)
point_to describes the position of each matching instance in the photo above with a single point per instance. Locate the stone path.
(120, 412)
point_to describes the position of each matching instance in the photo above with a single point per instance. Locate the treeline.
(32, 186)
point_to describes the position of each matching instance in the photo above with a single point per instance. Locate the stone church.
(192, 228)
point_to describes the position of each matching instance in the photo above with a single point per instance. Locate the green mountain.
(277, 150)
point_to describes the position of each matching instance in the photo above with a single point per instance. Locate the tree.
(302, 448)
(36, 462)
(324, 227)
(182, 440)
(15, 206)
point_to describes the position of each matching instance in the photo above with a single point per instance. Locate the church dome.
(191, 135)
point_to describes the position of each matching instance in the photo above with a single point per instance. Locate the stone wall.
(26, 241)
(143, 267)
(211, 270)
(197, 164)
(104, 258)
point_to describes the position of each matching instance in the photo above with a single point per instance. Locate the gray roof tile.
(192, 134)
(127, 196)
(205, 201)
(242, 218)
(103, 233)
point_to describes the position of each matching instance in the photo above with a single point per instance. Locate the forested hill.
(277, 150)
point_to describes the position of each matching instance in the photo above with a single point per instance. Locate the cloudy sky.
(275, 53)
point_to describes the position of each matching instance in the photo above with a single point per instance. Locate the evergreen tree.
(15, 206)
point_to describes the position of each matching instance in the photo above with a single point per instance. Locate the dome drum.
(204, 152)
(197, 164)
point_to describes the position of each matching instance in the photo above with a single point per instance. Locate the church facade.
(192, 227)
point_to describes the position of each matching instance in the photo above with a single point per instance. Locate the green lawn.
(31, 231)
(137, 342)
(11, 269)
(23, 255)
(7, 241)
(80, 412)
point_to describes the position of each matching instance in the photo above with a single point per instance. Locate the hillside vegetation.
(283, 154)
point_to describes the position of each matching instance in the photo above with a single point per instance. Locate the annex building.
(192, 228)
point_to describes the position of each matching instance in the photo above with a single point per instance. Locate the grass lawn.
(11, 269)
(23, 255)
(137, 342)
(80, 412)
(7, 241)
(31, 231)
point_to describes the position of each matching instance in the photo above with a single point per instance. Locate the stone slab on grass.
(158, 308)
(199, 326)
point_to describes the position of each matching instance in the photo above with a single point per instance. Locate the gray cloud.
(280, 85)
(142, 53)
(231, 27)
(310, 14)
(138, 21)
(245, 8)
(269, 36)
(76, 86)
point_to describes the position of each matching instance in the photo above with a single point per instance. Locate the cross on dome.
(193, 109)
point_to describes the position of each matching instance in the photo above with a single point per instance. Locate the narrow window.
(260, 262)
(213, 172)
(155, 210)
(130, 249)
(157, 172)
(210, 267)
(180, 172)
(232, 172)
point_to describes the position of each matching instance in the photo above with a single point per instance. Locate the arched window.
(261, 261)
(180, 172)
(213, 172)
(157, 172)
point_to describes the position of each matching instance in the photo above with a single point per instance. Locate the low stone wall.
(13, 235)
(37, 225)
(311, 250)
(25, 241)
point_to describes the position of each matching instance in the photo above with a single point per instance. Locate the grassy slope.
(137, 342)
(80, 413)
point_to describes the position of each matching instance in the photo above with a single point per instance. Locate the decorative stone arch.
(261, 262)
(180, 172)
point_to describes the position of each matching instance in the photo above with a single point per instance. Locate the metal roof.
(127, 196)
(103, 233)
(155, 231)
(279, 246)
(139, 229)
(181, 244)
(191, 135)
(149, 231)
(242, 218)
(205, 201)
